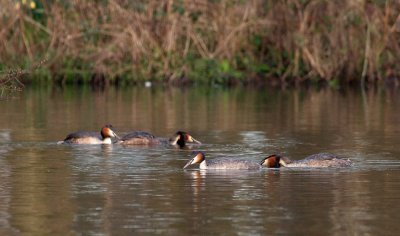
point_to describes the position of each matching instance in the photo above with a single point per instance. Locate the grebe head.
(107, 132)
(181, 138)
(273, 161)
(197, 157)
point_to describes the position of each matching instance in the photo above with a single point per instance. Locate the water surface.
(50, 189)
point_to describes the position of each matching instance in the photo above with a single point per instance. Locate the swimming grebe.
(316, 160)
(221, 163)
(84, 137)
(180, 139)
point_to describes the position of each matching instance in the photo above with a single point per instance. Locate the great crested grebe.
(221, 163)
(317, 160)
(85, 137)
(180, 139)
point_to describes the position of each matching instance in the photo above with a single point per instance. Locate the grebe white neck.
(107, 140)
(203, 165)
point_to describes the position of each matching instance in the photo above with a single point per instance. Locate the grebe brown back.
(319, 160)
(180, 139)
(221, 163)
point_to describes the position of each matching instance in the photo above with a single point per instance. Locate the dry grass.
(346, 40)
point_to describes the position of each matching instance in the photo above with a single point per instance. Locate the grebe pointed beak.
(262, 162)
(198, 157)
(194, 140)
(189, 163)
(114, 134)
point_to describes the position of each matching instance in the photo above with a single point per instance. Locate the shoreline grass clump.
(206, 41)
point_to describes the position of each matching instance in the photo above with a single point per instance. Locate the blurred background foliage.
(202, 41)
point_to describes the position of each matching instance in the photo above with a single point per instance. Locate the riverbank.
(210, 42)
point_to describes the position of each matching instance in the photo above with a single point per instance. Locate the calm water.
(50, 189)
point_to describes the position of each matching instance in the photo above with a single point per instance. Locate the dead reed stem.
(170, 38)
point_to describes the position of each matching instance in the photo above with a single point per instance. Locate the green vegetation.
(205, 41)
